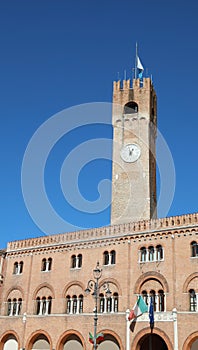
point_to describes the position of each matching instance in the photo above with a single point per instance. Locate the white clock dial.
(130, 153)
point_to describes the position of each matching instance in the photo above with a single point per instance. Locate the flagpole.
(136, 52)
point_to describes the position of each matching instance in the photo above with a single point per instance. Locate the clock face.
(130, 152)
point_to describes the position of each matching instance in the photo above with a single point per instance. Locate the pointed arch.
(114, 335)
(43, 285)
(5, 336)
(190, 340)
(188, 280)
(35, 335)
(15, 288)
(112, 281)
(70, 284)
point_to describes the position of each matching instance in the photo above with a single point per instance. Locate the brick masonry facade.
(176, 273)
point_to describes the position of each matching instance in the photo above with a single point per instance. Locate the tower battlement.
(132, 84)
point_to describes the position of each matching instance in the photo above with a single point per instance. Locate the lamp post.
(93, 286)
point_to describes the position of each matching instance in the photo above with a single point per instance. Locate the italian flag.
(139, 308)
(99, 338)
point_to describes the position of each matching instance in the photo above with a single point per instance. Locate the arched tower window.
(131, 108)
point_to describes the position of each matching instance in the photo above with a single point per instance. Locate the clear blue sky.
(57, 54)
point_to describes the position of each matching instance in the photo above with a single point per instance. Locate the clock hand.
(130, 151)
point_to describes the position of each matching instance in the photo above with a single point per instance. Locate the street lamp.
(93, 286)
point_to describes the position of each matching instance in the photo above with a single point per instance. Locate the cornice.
(108, 235)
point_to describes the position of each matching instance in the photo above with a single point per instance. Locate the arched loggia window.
(143, 254)
(193, 300)
(76, 261)
(43, 305)
(151, 253)
(109, 258)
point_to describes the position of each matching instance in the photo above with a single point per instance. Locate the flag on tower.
(139, 308)
(140, 68)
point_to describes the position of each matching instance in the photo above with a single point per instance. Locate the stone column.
(40, 307)
(127, 330)
(112, 304)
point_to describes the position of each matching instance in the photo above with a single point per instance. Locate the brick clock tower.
(134, 120)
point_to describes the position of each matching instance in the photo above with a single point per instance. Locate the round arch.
(130, 107)
(151, 275)
(36, 335)
(146, 331)
(70, 334)
(5, 337)
(190, 340)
